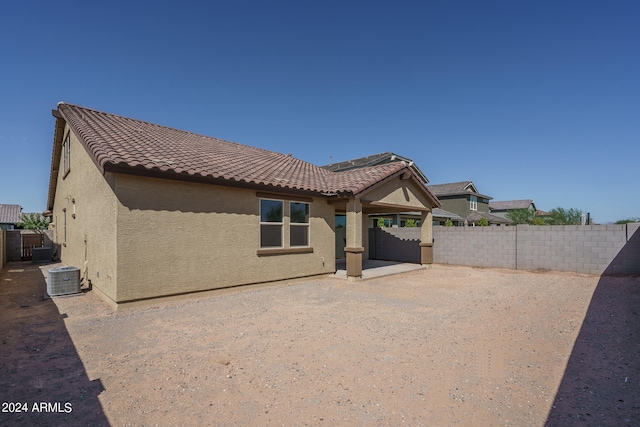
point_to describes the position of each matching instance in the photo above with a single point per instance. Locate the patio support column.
(354, 248)
(426, 238)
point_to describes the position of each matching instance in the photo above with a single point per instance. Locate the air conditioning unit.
(63, 281)
(41, 254)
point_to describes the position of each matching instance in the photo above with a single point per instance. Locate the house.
(501, 208)
(440, 217)
(149, 211)
(9, 216)
(463, 199)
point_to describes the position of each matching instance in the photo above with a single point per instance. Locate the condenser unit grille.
(63, 281)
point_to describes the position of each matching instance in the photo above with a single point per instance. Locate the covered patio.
(401, 192)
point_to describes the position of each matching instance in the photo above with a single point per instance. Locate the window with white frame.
(473, 203)
(271, 223)
(298, 224)
(66, 154)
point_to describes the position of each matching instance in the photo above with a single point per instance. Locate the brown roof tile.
(124, 145)
(506, 205)
(10, 214)
(454, 189)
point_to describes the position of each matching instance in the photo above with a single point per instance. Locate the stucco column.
(354, 248)
(426, 238)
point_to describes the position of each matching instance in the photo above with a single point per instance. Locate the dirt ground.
(438, 347)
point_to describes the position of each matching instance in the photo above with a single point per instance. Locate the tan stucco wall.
(400, 193)
(176, 237)
(90, 243)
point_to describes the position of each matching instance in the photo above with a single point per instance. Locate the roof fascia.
(56, 152)
(470, 185)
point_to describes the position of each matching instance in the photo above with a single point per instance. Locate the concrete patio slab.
(372, 269)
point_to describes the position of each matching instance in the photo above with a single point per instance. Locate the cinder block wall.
(475, 246)
(591, 249)
(582, 249)
(3, 250)
(13, 245)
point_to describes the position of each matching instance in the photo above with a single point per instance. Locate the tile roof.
(441, 213)
(510, 204)
(454, 188)
(375, 159)
(125, 145)
(10, 214)
(493, 219)
(359, 162)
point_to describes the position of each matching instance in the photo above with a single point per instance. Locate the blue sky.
(528, 99)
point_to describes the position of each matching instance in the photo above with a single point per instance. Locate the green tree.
(562, 216)
(628, 220)
(380, 222)
(410, 223)
(538, 221)
(483, 222)
(448, 222)
(521, 216)
(33, 221)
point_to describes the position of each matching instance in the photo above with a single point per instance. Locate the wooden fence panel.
(30, 241)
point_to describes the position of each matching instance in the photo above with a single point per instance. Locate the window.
(299, 224)
(473, 203)
(66, 154)
(271, 223)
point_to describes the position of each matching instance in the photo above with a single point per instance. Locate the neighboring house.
(147, 211)
(501, 208)
(440, 216)
(9, 216)
(463, 199)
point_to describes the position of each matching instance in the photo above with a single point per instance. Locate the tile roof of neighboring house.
(441, 213)
(10, 214)
(372, 160)
(511, 204)
(493, 219)
(455, 189)
(124, 145)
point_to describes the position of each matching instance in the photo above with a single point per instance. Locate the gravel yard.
(437, 347)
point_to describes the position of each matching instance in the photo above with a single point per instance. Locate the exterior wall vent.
(63, 281)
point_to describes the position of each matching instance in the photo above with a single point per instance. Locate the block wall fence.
(590, 249)
(11, 245)
(3, 250)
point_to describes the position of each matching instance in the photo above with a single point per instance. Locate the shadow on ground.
(42, 379)
(601, 383)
